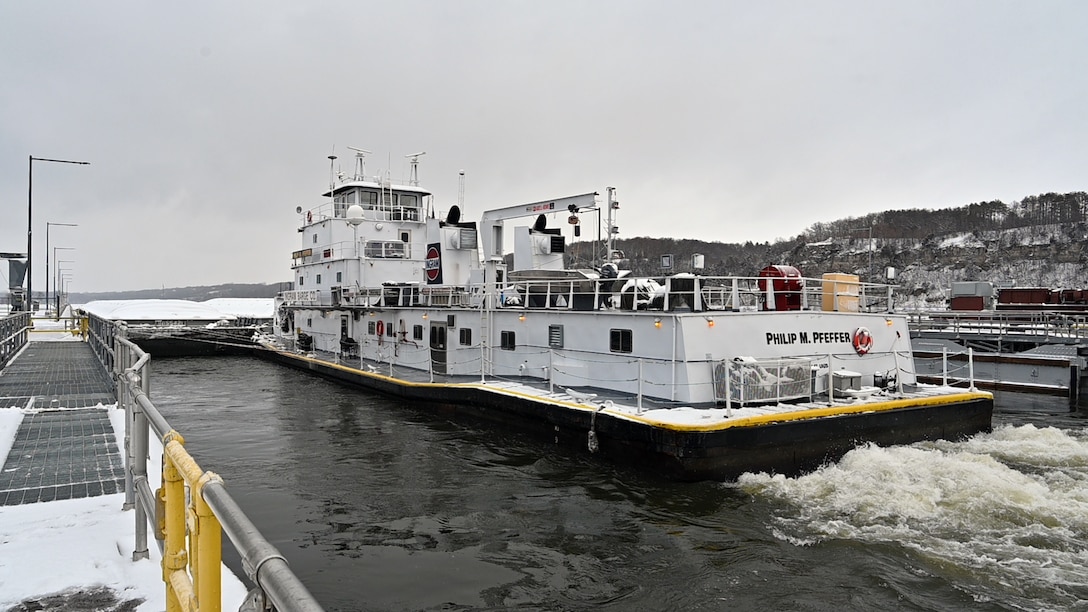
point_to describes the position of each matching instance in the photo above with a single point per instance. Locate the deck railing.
(189, 526)
(669, 293)
(14, 330)
(1039, 325)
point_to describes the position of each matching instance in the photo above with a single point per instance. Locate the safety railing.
(1056, 326)
(775, 380)
(14, 330)
(73, 325)
(680, 293)
(192, 508)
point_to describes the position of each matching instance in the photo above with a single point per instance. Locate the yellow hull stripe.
(752, 421)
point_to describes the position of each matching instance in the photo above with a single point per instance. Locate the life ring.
(863, 340)
(380, 329)
(309, 216)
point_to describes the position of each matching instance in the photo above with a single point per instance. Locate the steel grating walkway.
(62, 449)
(55, 375)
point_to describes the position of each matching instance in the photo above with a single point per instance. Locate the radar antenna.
(360, 167)
(413, 175)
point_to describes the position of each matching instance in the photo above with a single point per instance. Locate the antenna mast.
(613, 204)
(332, 172)
(360, 165)
(461, 191)
(413, 175)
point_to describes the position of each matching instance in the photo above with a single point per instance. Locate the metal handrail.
(14, 330)
(1039, 324)
(655, 293)
(210, 512)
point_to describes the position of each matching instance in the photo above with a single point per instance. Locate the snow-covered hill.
(1052, 256)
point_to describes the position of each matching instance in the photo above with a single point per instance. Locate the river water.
(381, 505)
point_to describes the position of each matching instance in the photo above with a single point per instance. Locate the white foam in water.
(1008, 509)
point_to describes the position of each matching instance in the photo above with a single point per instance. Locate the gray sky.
(207, 123)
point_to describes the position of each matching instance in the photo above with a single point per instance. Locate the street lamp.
(48, 224)
(62, 289)
(55, 270)
(30, 222)
(62, 270)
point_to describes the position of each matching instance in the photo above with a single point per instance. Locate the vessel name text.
(819, 337)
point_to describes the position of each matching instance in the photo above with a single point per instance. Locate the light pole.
(62, 270)
(30, 222)
(48, 224)
(62, 287)
(56, 266)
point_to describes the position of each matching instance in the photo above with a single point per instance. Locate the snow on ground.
(963, 241)
(9, 424)
(52, 547)
(56, 546)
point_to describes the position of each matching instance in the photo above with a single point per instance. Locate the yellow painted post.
(207, 570)
(173, 555)
(160, 514)
(204, 531)
(183, 590)
(193, 529)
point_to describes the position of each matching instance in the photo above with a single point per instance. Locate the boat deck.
(653, 412)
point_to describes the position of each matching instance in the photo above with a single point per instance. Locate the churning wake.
(1004, 514)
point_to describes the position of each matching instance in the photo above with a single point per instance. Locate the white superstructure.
(380, 278)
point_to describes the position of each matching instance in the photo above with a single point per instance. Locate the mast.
(413, 174)
(360, 166)
(613, 204)
(332, 176)
(461, 191)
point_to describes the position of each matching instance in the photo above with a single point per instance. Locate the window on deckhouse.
(619, 340)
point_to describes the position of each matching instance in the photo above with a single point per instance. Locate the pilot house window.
(385, 249)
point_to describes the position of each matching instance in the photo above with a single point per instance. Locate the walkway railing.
(659, 293)
(189, 527)
(1041, 325)
(13, 335)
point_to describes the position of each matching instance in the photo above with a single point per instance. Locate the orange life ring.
(380, 329)
(863, 340)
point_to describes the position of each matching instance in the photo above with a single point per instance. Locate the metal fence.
(13, 335)
(191, 509)
(751, 382)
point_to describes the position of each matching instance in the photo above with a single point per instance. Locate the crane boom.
(491, 223)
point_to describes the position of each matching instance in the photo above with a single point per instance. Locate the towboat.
(685, 375)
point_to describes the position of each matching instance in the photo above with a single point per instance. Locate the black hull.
(194, 342)
(784, 447)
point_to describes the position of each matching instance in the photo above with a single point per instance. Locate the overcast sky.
(207, 123)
